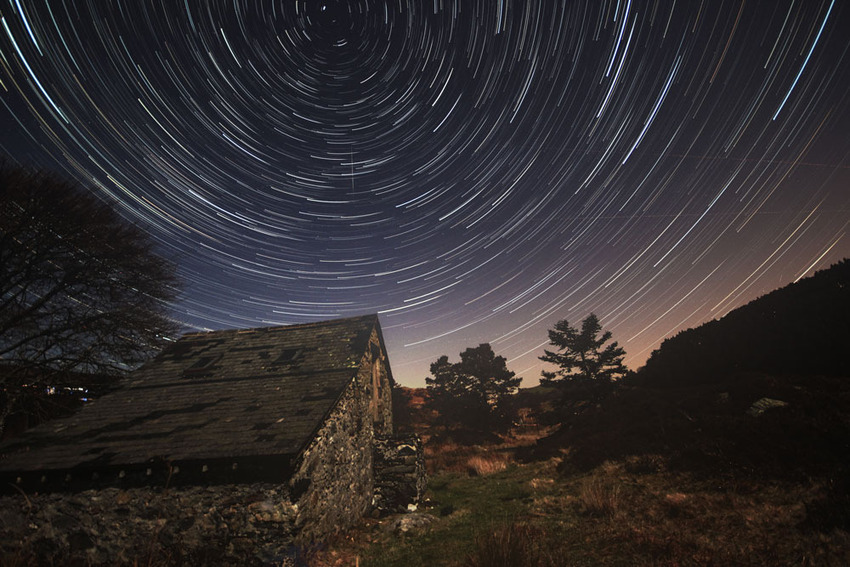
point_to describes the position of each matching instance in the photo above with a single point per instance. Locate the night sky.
(473, 171)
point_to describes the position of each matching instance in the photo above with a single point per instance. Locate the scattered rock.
(411, 523)
(764, 404)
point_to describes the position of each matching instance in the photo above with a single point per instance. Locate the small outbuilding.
(237, 443)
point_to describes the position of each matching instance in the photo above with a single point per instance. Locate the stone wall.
(334, 483)
(399, 473)
(235, 524)
(383, 423)
(231, 524)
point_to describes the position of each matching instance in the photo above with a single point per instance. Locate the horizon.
(472, 172)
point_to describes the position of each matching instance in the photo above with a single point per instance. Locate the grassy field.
(650, 476)
(630, 512)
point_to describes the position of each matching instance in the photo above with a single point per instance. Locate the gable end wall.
(335, 481)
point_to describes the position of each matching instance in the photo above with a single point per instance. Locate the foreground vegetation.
(635, 511)
(648, 476)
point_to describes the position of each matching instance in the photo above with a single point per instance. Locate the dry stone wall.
(217, 525)
(400, 481)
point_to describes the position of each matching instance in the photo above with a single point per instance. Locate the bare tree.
(81, 289)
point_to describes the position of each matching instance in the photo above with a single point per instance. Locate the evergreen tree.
(581, 355)
(474, 392)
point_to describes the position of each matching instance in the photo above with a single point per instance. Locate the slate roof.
(234, 396)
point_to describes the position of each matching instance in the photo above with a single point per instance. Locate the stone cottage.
(230, 446)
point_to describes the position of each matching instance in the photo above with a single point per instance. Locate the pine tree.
(581, 355)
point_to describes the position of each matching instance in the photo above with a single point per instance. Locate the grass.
(466, 508)
(600, 497)
(632, 511)
(663, 477)
(514, 544)
(481, 465)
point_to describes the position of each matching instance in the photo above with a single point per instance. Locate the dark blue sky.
(473, 171)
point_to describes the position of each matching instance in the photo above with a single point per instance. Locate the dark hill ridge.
(692, 405)
(802, 328)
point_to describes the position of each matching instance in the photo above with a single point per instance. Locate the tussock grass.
(477, 460)
(482, 465)
(446, 457)
(600, 497)
(516, 544)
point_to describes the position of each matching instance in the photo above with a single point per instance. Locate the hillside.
(802, 328)
(764, 390)
(651, 476)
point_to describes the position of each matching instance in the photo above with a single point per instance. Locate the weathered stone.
(401, 469)
(412, 523)
(349, 464)
(164, 526)
(764, 404)
(398, 482)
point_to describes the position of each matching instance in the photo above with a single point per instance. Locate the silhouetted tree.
(581, 355)
(81, 290)
(585, 364)
(473, 392)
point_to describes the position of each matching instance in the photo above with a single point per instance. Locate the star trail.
(472, 170)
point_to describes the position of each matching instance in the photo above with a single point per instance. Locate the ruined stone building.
(230, 445)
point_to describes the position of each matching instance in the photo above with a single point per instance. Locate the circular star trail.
(473, 170)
